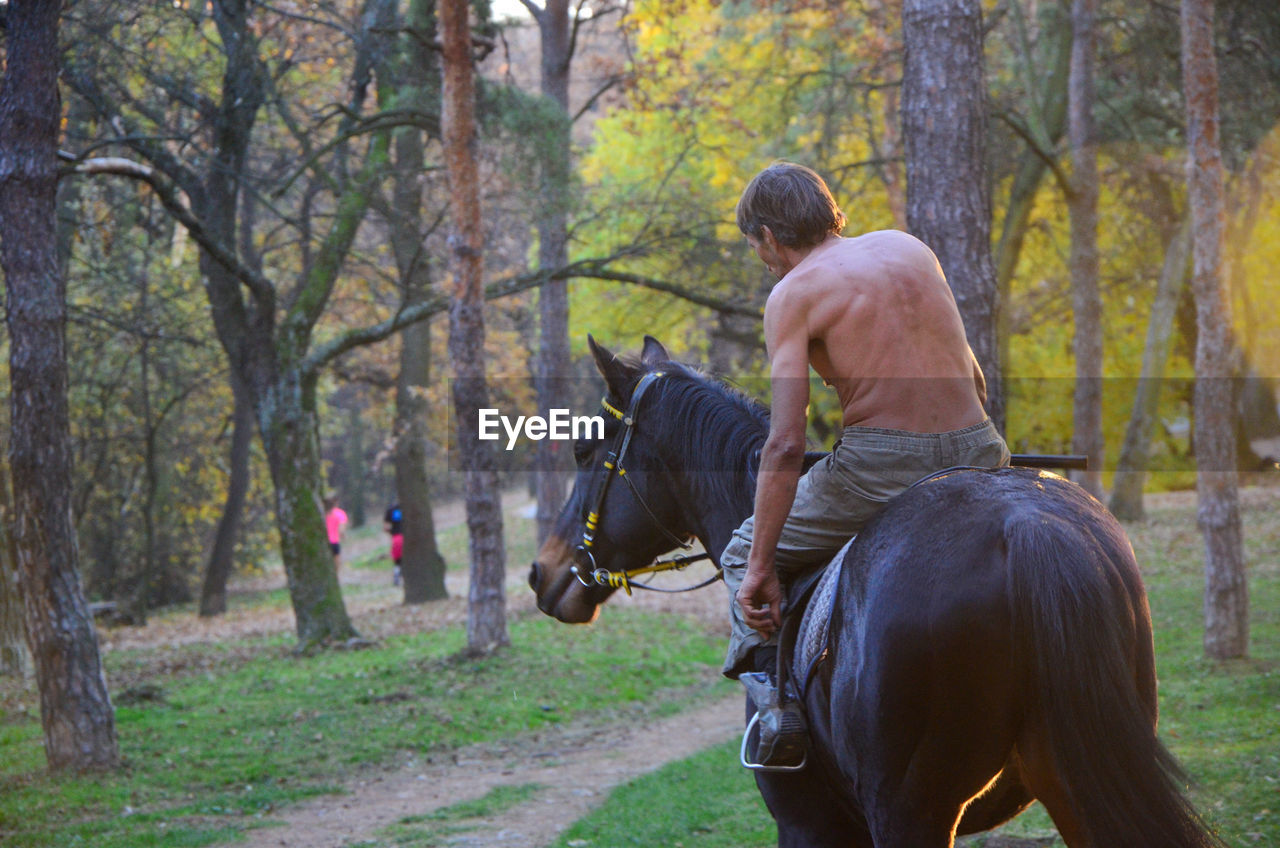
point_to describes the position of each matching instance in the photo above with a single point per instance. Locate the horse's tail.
(1076, 591)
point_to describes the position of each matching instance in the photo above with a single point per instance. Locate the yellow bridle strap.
(622, 579)
(611, 409)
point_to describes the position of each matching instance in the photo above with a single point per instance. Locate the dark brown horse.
(990, 640)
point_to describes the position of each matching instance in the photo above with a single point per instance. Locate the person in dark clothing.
(391, 521)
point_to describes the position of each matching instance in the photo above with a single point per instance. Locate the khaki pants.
(839, 495)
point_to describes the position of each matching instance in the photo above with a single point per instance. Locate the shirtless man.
(875, 318)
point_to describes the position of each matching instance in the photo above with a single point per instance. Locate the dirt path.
(574, 768)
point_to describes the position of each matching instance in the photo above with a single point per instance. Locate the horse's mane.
(714, 427)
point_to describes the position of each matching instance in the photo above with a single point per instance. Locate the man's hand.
(760, 598)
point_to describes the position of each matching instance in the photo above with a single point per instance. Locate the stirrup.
(785, 723)
(742, 753)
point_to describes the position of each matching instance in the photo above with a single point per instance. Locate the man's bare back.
(884, 331)
(873, 315)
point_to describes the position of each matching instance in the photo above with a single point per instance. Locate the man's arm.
(781, 462)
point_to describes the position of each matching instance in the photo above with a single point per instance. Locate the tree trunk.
(144, 576)
(411, 78)
(75, 710)
(1131, 468)
(551, 456)
(290, 436)
(221, 563)
(14, 658)
(422, 566)
(1086, 298)
(1226, 599)
(213, 593)
(944, 117)
(267, 350)
(486, 620)
(353, 463)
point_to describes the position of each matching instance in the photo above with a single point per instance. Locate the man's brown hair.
(793, 202)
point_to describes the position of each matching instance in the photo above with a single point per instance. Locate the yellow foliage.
(718, 91)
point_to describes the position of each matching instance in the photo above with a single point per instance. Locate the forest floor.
(573, 767)
(557, 776)
(573, 770)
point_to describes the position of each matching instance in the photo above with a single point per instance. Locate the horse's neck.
(719, 499)
(714, 526)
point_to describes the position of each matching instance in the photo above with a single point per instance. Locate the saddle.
(802, 647)
(806, 618)
(804, 638)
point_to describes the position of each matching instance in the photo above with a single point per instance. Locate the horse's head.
(621, 513)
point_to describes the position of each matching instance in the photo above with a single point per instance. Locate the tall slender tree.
(75, 710)
(1082, 200)
(213, 589)
(1131, 465)
(1226, 597)
(410, 79)
(552, 366)
(944, 118)
(486, 620)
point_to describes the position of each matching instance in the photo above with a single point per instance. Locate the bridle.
(612, 468)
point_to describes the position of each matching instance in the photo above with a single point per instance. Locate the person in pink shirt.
(334, 520)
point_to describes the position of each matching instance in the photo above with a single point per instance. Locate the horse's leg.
(808, 813)
(933, 719)
(807, 805)
(1042, 779)
(928, 763)
(1003, 800)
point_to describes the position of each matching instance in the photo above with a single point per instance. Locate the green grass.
(707, 800)
(216, 750)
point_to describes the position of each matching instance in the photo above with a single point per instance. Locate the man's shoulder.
(793, 293)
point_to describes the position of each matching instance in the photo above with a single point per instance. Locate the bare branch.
(168, 196)
(712, 302)
(1046, 156)
(599, 92)
(437, 303)
(534, 10)
(386, 120)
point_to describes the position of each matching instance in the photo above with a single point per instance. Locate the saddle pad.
(811, 640)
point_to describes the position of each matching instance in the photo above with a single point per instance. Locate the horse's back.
(945, 543)
(939, 588)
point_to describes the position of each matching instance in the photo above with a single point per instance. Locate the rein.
(613, 463)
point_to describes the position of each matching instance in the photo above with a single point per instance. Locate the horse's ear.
(654, 352)
(618, 375)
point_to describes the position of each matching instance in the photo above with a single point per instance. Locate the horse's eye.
(583, 451)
